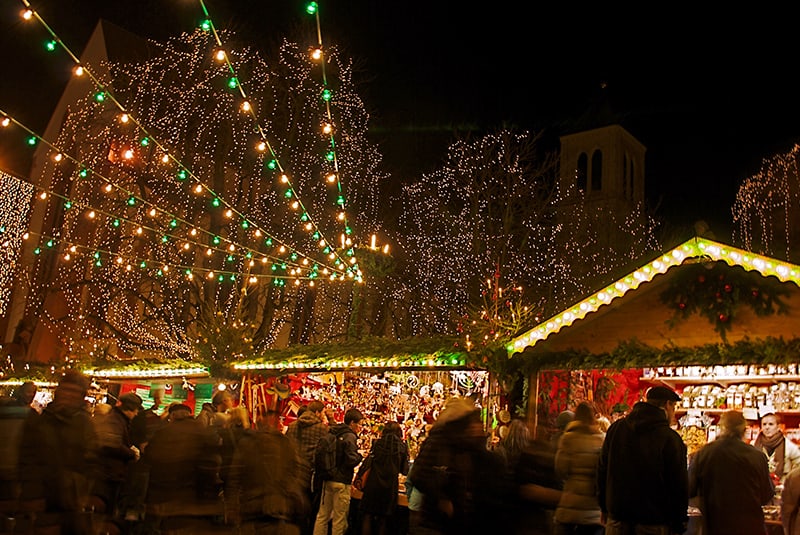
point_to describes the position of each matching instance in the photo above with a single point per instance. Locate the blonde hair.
(239, 417)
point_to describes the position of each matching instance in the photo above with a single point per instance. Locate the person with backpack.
(335, 461)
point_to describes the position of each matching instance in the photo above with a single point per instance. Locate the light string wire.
(248, 251)
(107, 93)
(313, 8)
(223, 55)
(144, 262)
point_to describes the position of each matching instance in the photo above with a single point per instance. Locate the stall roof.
(695, 248)
(148, 370)
(369, 354)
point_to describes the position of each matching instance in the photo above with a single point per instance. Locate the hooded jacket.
(347, 455)
(388, 458)
(642, 475)
(305, 432)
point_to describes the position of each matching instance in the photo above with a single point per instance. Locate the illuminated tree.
(204, 220)
(496, 242)
(766, 212)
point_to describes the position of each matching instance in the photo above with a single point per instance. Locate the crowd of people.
(125, 469)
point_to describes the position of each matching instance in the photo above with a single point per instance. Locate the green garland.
(634, 354)
(717, 290)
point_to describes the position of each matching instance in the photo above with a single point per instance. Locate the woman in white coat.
(576, 463)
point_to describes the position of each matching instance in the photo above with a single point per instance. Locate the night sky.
(709, 94)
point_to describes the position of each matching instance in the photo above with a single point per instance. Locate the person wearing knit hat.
(456, 409)
(462, 482)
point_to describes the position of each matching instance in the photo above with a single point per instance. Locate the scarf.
(773, 446)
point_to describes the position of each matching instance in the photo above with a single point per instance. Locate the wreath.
(717, 291)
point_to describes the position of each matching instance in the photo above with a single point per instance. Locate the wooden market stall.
(181, 382)
(405, 381)
(719, 324)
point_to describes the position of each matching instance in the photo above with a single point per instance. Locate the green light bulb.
(233, 83)
(67, 205)
(100, 96)
(206, 25)
(182, 174)
(311, 8)
(115, 222)
(215, 203)
(272, 164)
(143, 264)
(216, 240)
(145, 142)
(37, 251)
(164, 239)
(173, 223)
(83, 173)
(50, 45)
(245, 224)
(131, 201)
(32, 141)
(268, 242)
(327, 95)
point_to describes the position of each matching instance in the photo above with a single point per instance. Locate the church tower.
(606, 164)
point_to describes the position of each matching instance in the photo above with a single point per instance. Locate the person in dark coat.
(530, 466)
(55, 459)
(180, 461)
(262, 492)
(462, 483)
(387, 458)
(732, 481)
(335, 500)
(642, 474)
(306, 432)
(115, 454)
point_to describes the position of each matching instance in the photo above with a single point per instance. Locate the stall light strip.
(160, 372)
(18, 382)
(344, 364)
(694, 247)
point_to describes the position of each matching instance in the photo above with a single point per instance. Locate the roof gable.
(695, 248)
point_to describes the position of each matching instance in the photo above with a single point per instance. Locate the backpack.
(326, 456)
